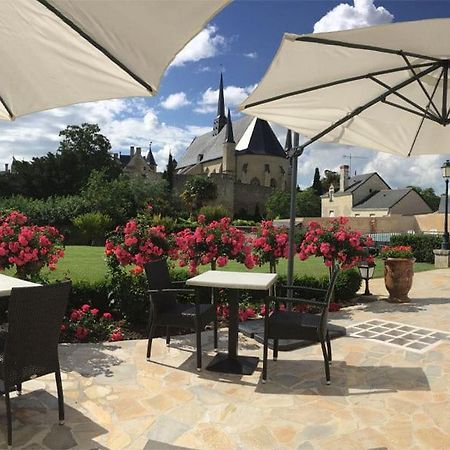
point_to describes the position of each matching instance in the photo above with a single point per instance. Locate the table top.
(7, 283)
(234, 280)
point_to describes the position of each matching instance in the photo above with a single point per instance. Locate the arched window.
(255, 181)
(273, 183)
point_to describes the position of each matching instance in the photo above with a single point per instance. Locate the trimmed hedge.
(422, 245)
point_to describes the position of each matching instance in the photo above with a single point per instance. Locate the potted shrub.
(398, 272)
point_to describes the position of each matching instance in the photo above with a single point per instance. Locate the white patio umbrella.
(383, 87)
(60, 52)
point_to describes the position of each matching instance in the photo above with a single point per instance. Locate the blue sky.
(241, 41)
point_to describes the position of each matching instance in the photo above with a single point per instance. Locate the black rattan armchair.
(30, 347)
(166, 312)
(300, 325)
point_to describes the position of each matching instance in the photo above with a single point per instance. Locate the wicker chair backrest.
(158, 277)
(35, 315)
(330, 291)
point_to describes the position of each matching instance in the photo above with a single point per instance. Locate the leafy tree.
(317, 184)
(82, 149)
(93, 226)
(278, 205)
(169, 173)
(197, 191)
(308, 203)
(330, 177)
(429, 196)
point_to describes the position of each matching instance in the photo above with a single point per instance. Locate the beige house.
(247, 151)
(136, 164)
(368, 195)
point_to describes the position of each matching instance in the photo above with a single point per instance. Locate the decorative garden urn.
(398, 278)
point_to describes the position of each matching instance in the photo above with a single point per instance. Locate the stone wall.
(235, 197)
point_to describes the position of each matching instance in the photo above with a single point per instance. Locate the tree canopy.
(82, 149)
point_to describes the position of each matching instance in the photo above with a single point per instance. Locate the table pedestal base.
(241, 365)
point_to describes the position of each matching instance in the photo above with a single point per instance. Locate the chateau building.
(247, 151)
(136, 164)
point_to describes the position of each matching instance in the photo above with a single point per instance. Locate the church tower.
(220, 121)
(229, 147)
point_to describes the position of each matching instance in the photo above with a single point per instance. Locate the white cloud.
(234, 95)
(398, 172)
(37, 134)
(251, 55)
(363, 13)
(206, 44)
(175, 101)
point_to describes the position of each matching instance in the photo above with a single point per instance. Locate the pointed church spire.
(220, 120)
(150, 158)
(221, 102)
(288, 144)
(229, 137)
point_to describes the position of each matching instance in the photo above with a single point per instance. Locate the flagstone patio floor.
(382, 396)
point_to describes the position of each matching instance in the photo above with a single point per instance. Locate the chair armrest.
(295, 300)
(294, 286)
(171, 291)
(178, 283)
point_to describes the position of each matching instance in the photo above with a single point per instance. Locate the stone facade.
(368, 195)
(246, 154)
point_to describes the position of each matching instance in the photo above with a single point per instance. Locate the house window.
(331, 213)
(245, 168)
(371, 215)
(356, 215)
(267, 168)
(255, 181)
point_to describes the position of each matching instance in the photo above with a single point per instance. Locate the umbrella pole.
(292, 216)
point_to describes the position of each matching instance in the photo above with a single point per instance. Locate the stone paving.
(381, 397)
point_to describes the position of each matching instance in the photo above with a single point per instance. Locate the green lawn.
(83, 263)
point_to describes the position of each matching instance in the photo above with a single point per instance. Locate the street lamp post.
(446, 174)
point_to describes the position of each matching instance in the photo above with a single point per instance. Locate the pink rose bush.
(335, 243)
(28, 247)
(86, 324)
(215, 243)
(137, 243)
(270, 244)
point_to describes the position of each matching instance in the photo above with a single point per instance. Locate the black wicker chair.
(166, 312)
(30, 347)
(298, 325)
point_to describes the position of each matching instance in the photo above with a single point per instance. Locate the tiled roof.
(384, 199)
(260, 140)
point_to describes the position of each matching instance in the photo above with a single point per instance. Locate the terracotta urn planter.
(398, 278)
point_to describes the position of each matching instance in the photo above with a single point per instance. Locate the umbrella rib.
(423, 118)
(373, 48)
(362, 108)
(404, 98)
(411, 111)
(8, 110)
(335, 83)
(420, 83)
(95, 44)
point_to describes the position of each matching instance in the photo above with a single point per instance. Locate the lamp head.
(446, 169)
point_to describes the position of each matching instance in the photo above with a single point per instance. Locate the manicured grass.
(84, 263)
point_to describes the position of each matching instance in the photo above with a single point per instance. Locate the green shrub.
(422, 245)
(347, 284)
(243, 223)
(93, 293)
(93, 226)
(214, 212)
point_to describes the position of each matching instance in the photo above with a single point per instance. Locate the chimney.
(344, 177)
(6, 167)
(139, 151)
(132, 150)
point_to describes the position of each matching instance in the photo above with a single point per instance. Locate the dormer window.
(267, 168)
(331, 192)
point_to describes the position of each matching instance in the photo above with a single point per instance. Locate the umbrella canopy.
(60, 52)
(383, 87)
